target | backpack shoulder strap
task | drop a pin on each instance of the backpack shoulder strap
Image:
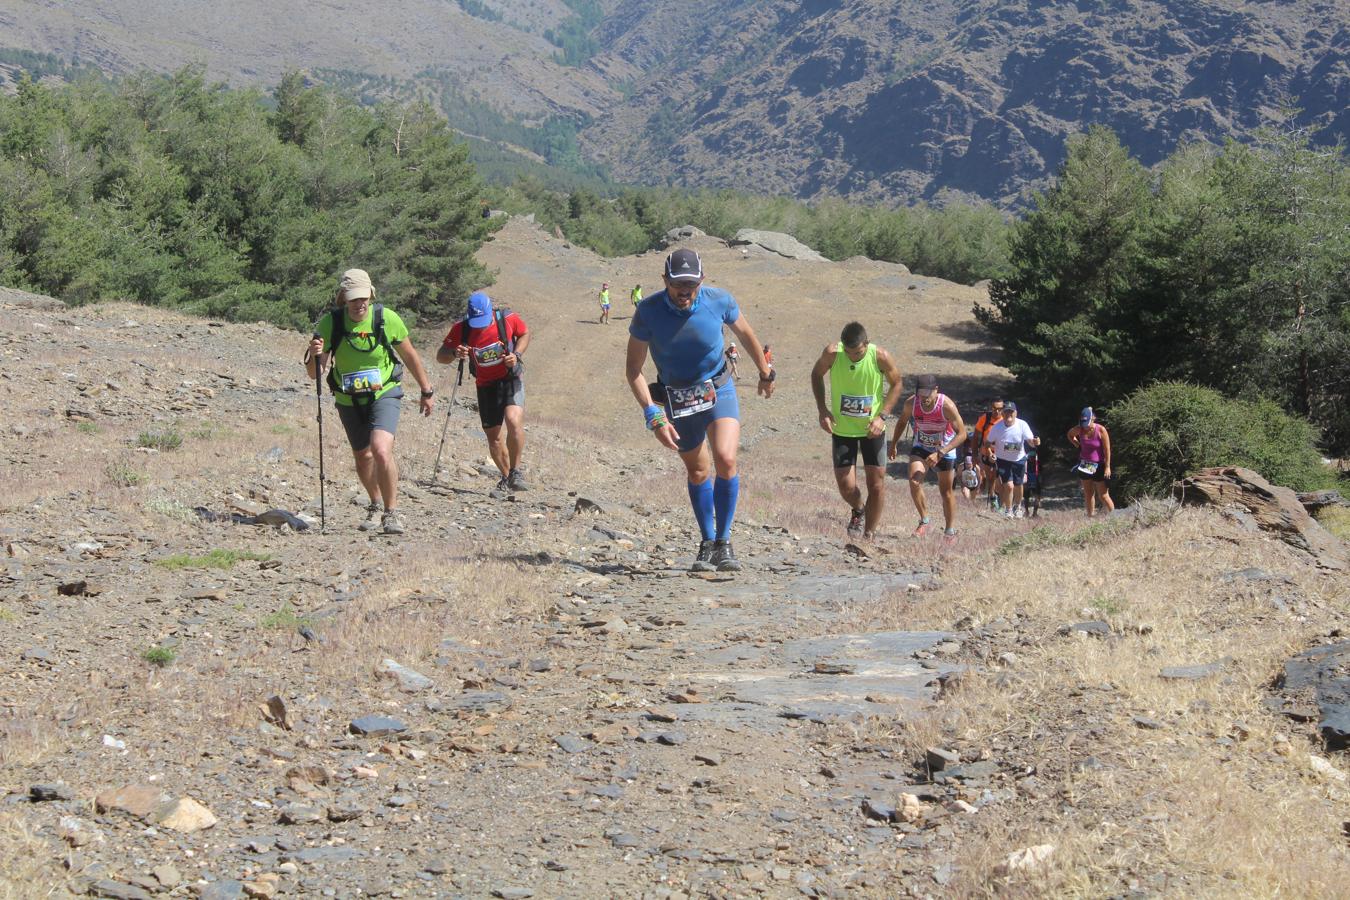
(500, 316)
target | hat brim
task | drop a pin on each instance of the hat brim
(482, 321)
(685, 277)
(355, 293)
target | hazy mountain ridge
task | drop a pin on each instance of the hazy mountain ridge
(863, 98)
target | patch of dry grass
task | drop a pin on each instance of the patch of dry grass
(1217, 801)
(1336, 519)
(24, 870)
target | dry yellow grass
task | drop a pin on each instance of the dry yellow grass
(24, 871)
(1221, 800)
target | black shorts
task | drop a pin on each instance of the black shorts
(1099, 475)
(845, 450)
(945, 464)
(495, 396)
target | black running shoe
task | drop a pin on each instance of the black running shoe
(724, 558)
(855, 522)
(516, 481)
(703, 560)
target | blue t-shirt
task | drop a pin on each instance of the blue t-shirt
(686, 345)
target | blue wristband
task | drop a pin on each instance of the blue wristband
(652, 413)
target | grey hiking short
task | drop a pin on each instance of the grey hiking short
(360, 421)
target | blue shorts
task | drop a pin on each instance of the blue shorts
(693, 430)
(1013, 472)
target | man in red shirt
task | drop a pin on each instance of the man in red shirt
(494, 342)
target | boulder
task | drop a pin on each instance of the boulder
(683, 233)
(782, 244)
(1273, 508)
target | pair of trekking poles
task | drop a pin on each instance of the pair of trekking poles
(318, 397)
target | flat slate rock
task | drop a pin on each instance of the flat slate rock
(1195, 672)
(476, 701)
(377, 725)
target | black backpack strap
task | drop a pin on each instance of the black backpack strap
(338, 319)
(377, 324)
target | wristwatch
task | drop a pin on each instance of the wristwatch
(772, 376)
(427, 395)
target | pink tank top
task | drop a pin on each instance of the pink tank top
(1090, 444)
(931, 428)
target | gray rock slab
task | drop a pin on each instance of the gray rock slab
(374, 725)
(1195, 672)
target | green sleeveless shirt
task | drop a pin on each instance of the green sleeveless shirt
(855, 392)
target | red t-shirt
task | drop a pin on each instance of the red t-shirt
(485, 346)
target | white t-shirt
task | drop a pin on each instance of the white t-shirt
(1010, 442)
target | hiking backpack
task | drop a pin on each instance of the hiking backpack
(339, 319)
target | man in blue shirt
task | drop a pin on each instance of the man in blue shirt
(693, 401)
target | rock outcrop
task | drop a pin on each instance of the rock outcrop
(1270, 507)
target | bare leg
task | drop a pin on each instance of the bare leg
(1090, 498)
(946, 485)
(876, 498)
(515, 436)
(917, 473)
(496, 442)
(1104, 496)
(365, 470)
(386, 467)
(847, 482)
(724, 437)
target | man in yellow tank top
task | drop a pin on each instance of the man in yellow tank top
(855, 419)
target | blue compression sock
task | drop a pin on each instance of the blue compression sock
(701, 498)
(725, 491)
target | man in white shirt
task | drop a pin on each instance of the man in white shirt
(1010, 439)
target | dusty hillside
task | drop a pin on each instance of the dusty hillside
(584, 718)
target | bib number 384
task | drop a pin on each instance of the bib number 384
(687, 401)
(366, 381)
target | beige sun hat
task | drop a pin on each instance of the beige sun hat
(355, 284)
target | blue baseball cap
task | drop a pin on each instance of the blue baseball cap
(480, 310)
(1086, 415)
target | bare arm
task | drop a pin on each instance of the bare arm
(906, 410)
(818, 372)
(408, 353)
(741, 328)
(953, 416)
(637, 383)
(891, 370)
(1106, 449)
(1073, 435)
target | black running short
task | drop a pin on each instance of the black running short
(945, 464)
(495, 396)
(845, 450)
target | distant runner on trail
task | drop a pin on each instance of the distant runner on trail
(494, 343)
(733, 357)
(1010, 439)
(938, 431)
(368, 347)
(855, 419)
(604, 303)
(694, 399)
(636, 294)
(1031, 504)
(982, 452)
(1094, 461)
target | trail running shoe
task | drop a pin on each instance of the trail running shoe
(1017, 512)
(501, 489)
(855, 522)
(724, 558)
(516, 481)
(703, 559)
(372, 520)
(922, 529)
(391, 524)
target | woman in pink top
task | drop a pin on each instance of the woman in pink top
(1094, 461)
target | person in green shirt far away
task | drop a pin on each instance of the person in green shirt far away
(855, 419)
(365, 348)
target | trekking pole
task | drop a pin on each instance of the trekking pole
(450, 407)
(318, 396)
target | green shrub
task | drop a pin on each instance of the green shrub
(159, 655)
(1168, 430)
(160, 440)
(121, 474)
(284, 618)
(87, 428)
(214, 559)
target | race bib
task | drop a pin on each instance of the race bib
(686, 401)
(1087, 468)
(856, 407)
(929, 440)
(490, 355)
(366, 381)
(1012, 446)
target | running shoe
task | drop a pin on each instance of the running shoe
(372, 520)
(516, 481)
(1017, 512)
(922, 529)
(855, 522)
(949, 536)
(502, 487)
(724, 558)
(703, 559)
(390, 523)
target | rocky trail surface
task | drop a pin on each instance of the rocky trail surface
(530, 695)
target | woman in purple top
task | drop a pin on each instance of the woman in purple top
(1094, 461)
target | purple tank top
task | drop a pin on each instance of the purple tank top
(1090, 444)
